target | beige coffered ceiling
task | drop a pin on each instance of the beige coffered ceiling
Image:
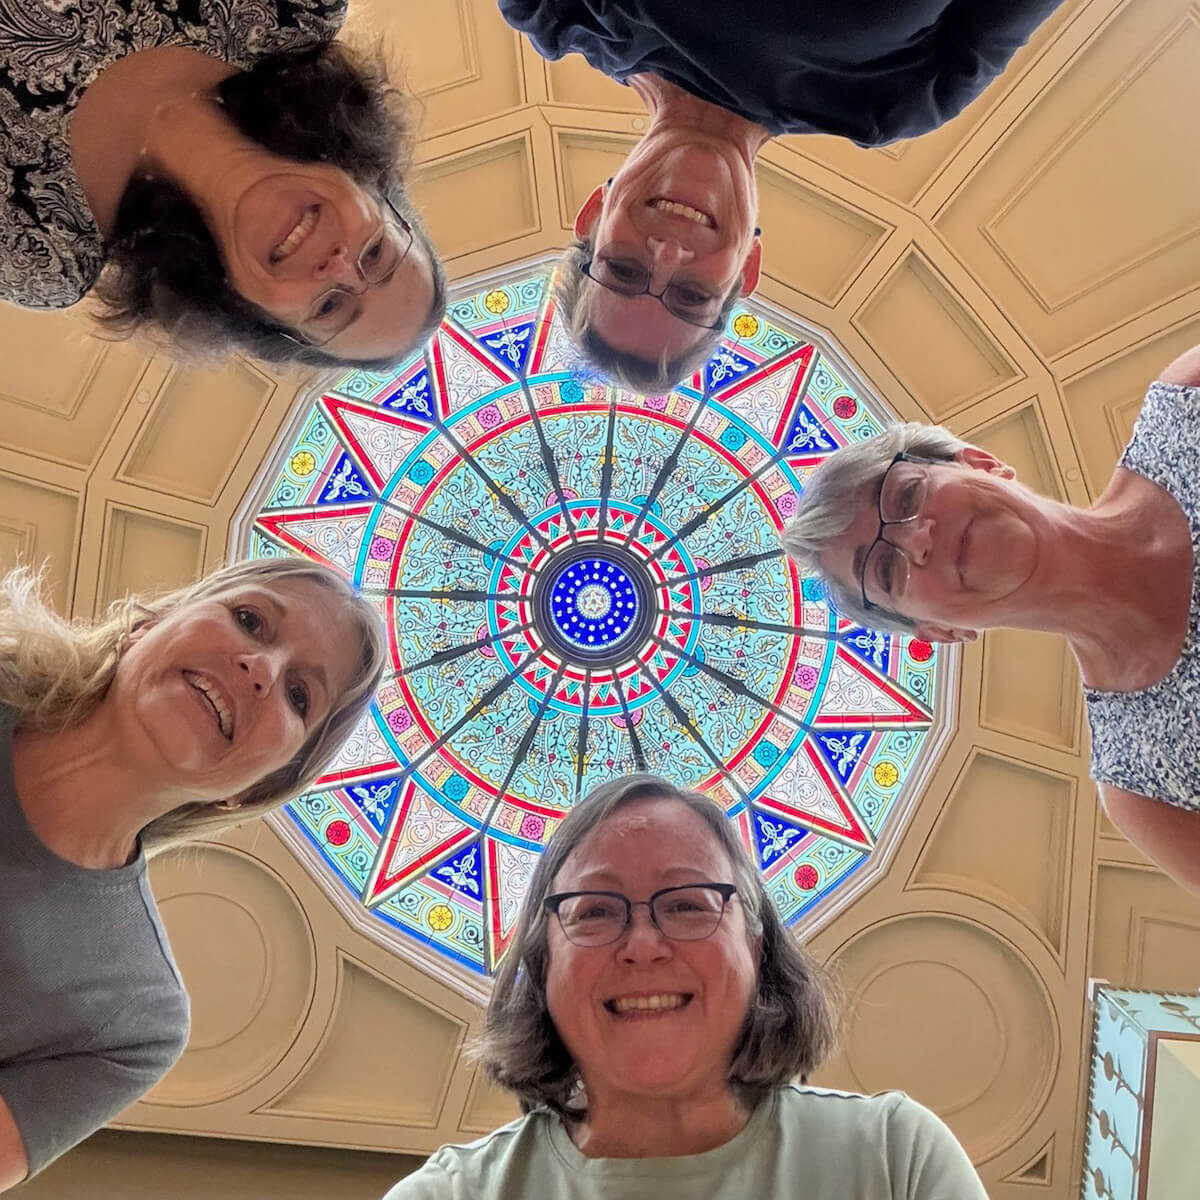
(1018, 275)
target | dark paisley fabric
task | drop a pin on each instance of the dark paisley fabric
(1149, 741)
(50, 51)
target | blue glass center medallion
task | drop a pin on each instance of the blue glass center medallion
(594, 603)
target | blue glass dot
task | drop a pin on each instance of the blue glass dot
(811, 589)
(571, 392)
(766, 753)
(733, 438)
(421, 472)
(456, 788)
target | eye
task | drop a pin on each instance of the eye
(372, 253)
(885, 570)
(691, 297)
(249, 620)
(298, 697)
(329, 306)
(624, 272)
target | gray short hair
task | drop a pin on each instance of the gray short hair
(831, 499)
(646, 377)
(791, 1024)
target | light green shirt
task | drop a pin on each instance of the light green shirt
(801, 1143)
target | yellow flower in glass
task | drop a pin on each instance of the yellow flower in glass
(496, 302)
(440, 918)
(303, 463)
(886, 774)
(745, 325)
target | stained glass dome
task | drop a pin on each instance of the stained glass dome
(577, 583)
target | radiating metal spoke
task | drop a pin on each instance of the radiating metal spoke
(688, 724)
(502, 497)
(582, 739)
(549, 462)
(453, 652)
(741, 563)
(732, 682)
(635, 742)
(606, 471)
(518, 756)
(730, 622)
(457, 595)
(492, 694)
(455, 535)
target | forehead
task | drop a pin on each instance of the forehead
(310, 618)
(655, 838)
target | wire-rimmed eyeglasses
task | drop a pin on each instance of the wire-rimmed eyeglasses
(686, 913)
(378, 260)
(628, 277)
(885, 566)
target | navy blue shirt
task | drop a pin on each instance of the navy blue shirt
(870, 70)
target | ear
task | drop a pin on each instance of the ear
(751, 267)
(945, 635)
(979, 459)
(589, 214)
(138, 632)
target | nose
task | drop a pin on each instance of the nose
(668, 253)
(915, 538)
(643, 941)
(335, 265)
(261, 668)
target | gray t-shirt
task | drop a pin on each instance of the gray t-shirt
(92, 1009)
(801, 1142)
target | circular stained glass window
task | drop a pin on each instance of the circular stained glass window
(579, 582)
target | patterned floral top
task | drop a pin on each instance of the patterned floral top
(1149, 741)
(51, 250)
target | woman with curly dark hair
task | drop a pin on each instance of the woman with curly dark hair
(224, 174)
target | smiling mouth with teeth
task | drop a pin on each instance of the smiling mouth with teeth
(641, 1006)
(298, 234)
(676, 209)
(216, 701)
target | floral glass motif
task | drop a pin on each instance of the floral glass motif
(579, 582)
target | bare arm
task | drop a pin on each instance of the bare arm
(1185, 370)
(14, 1166)
(1168, 836)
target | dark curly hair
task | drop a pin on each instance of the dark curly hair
(164, 269)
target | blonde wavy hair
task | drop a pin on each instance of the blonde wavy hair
(55, 672)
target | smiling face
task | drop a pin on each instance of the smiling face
(298, 229)
(971, 550)
(645, 1015)
(683, 208)
(221, 692)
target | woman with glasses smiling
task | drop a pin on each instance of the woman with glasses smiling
(231, 179)
(918, 532)
(651, 1015)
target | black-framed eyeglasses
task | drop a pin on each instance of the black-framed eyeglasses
(686, 913)
(378, 260)
(885, 566)
(628, 277)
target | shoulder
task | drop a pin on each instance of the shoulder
(482, 1165)
(1185, 370)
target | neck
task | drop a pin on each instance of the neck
(671, 108)
(82, 795)
(1119, 588)
(653, 1127)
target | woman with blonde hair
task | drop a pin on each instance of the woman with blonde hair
(170, 719)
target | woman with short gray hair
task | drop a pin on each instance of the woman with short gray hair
(916, 531)
(651, 1014)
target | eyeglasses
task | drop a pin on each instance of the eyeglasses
(377, 262)
(886, 566)
(628, 277)
(684, 914)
